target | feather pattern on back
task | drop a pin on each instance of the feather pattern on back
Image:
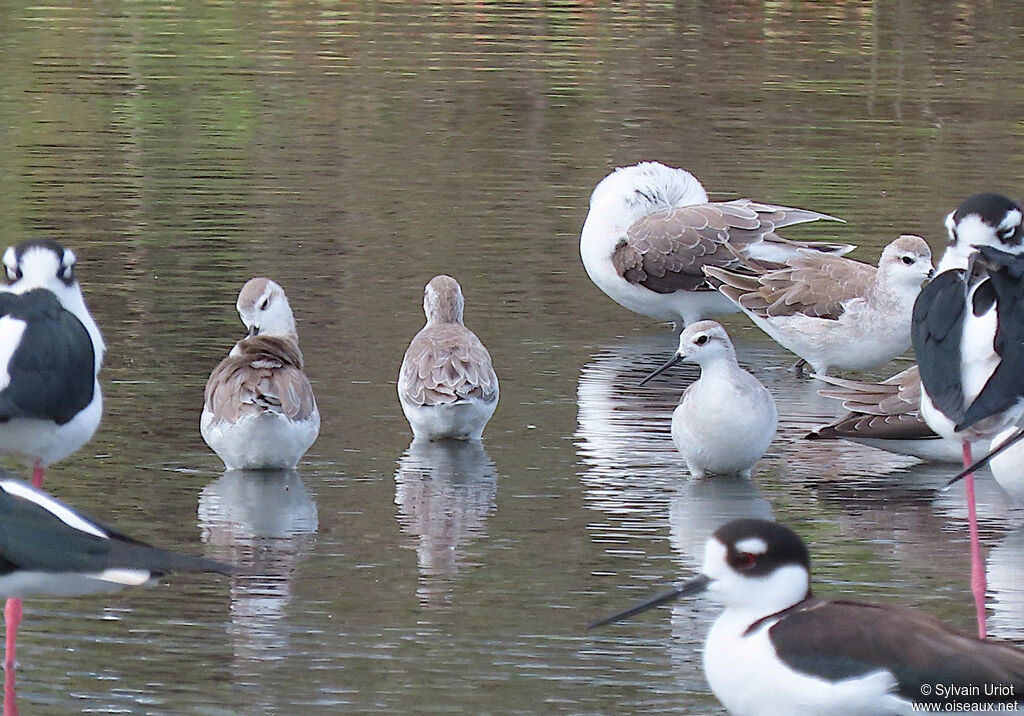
(263, 374)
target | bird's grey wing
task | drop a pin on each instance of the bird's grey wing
(447, 364)
(889, 410)
(666, 250)
(811, 283)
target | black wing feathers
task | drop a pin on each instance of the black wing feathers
(937, 330)
(31, 538)
(52, 372)
(838, 640)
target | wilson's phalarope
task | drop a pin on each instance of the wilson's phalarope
(447, 385)
(726, 402)
(651, 229)
(259, 412)
(832, 311)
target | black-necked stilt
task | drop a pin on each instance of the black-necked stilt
(50, 354)
(834, 312)
(887, 416)
(651, 229)
(968, 334)
(776, 649)
(259, 412)
(47, 547)
(446, 385)
(724, 403)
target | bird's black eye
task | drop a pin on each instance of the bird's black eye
(908, 260)
(266, 302)
(1007, 232)
(701, 339)
(742, 560)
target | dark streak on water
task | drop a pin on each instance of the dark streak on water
(352, 151)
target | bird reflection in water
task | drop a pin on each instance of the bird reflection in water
(263, 522)
(445, 490)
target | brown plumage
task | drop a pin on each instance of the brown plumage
(447, 363)
(666, 250)
(812, 283)
(886, 411)
(821, 636)
(262, 374)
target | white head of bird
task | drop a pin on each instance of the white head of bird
(631, 192)
(264, 309)
(982, 220)
(703, 342)
(906, 262)
(756, 565)
(45, 264)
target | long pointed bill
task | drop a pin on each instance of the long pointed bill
(674, 360)
(1006, 444)
(694, 586)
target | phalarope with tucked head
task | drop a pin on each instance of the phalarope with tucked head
(651, 229)
(259, 412)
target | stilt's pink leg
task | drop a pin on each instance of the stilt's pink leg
(12, 617)
(10, 697)
(37, 474)
(978, 583)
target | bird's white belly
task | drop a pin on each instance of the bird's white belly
(724, 433)
(268, 441)
(35, 439)
(64, 584)
(859, 339)
(464, 420)
(1008, 466)
(685, 306)
(747, 677)
(977, 350)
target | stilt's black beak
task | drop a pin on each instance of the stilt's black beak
(694, 586)
(674, 360)
(982, 462)
(254, 331)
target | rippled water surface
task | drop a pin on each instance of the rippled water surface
(353, 150)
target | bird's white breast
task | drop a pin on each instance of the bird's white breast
(749, 679)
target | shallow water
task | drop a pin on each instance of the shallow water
(352, 151)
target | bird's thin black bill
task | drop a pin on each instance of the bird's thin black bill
(694, 586)
(665, 366)
(982, 462)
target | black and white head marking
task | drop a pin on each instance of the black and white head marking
(982, 215)
(756, 548)
(15, 258)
